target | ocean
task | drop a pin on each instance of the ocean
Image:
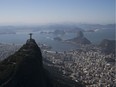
(21, 36)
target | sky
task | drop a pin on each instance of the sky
(57, 11)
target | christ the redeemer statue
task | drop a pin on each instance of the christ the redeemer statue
(30, 40)
(30, 36)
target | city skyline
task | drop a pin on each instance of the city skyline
(57, 11)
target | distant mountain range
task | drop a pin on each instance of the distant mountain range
(51, 27)
(96, 26)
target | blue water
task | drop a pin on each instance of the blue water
(98, 36)
(21, 37)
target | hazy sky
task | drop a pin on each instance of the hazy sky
(56, 11)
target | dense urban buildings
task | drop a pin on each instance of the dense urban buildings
(87, 64)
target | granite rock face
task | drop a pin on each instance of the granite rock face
(80, 39)
(108, 46)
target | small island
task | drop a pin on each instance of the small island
(57, 39)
